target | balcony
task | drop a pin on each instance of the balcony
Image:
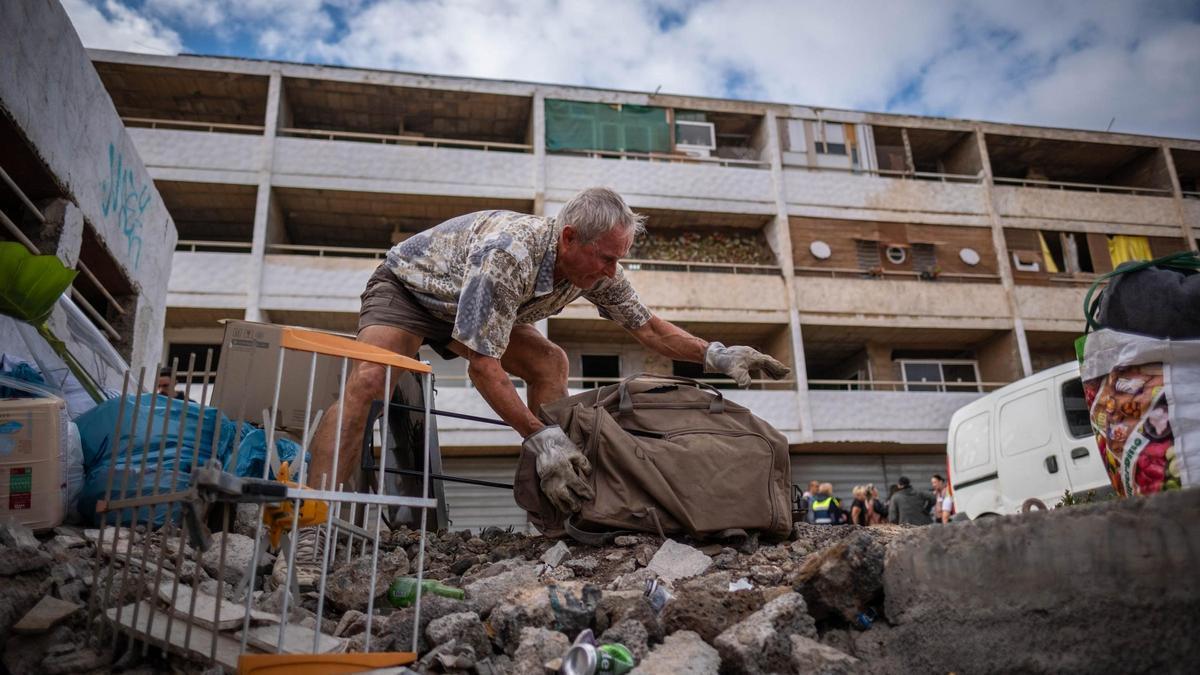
(884, 416)
(203, 152)
(209, 275)
(1056, 308)
(902, 302)
(886, 195)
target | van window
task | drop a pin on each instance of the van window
(972, 445)
(1079, 422)
(1024, 423)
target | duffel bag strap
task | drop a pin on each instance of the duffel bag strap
(591, 538)
(717, 405)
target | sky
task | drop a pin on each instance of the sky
(1133, 67)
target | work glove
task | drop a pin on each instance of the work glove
(561, 467)
(737, 362)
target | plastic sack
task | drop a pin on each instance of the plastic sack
(75, 473)
(184, 442)
(252, 452)
(1144, 398)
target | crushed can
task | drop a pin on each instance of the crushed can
(657, 595)
(588, 659)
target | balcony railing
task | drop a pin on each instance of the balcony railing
(667, 157)
(397, 139)
(595, 382)
(897, 173)
(845, 272)
(683, 266)
(910, 387)
(328, 251)
(185, 125)
(199, 246)
(1082, 187)
(1189, 194)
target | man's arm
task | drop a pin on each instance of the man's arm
(664, 337)
(497, 389)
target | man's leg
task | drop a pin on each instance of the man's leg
(364, 384)
(541, 363)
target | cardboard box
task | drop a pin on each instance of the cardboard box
(33, 461)
(245, 383)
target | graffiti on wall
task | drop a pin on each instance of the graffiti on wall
(124, 200)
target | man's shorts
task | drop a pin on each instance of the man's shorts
(387, 302)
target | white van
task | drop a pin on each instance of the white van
(1031, 438)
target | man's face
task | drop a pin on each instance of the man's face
(935, 483)
(164, 386)
(584, 265)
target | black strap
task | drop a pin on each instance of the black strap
(592, 538)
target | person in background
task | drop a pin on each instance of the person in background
(859, 508)
(876, 509)
(165, 386)
(826, 508)
(940, 492)
(809, 495)
(907, 506)
(945, 503)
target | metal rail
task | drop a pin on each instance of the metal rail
(154, 123)
(1089, 187)
(896, 173)
(859, 272)
(399, 139)
(902, 386)
(667, 157)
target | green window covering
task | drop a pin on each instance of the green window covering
(574, 125)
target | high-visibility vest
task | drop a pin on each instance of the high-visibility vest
(820, 509)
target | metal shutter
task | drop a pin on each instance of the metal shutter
(845, 471)
(475, 507)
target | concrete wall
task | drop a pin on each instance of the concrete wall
(902, 303)
(835, 194)
(1105, 588)
(664, 185)
(1051, 308)
(349, 165)
(1038, 203)
(199, 155)
(884, 416)
(50, 91)
(208, 280)
(309, 283)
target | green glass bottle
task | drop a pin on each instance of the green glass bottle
(403, 591)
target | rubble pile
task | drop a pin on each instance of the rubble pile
(738, 605)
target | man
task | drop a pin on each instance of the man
(943, 503)
(474, 286)
(809, 495)
(907, 506)
(165, 386)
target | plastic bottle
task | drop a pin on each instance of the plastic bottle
(403, 591)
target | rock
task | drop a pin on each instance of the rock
(20, 559)
(476, 545)
(711, 549)
(630, 633)
(634, 581)
(354, 622)
(615, 556)
(726, 558)
(239, 551)
(759, 643)
(871, 645)
(537, 646)
(709, 612)
(463, 627)
(70, 658)
(810, 656)
(678, 561)
(846, 578)
(555, 555)
(17, 535)
(245, 520)
(682, 652)
(461, 565)
(497, 582)
(774, 554)
(45, 615)
(563, 573)
(627, 540)
(398, 631)
(348, 585)
(450, 657)
(272, 603)
(766, 575)
(644, 553)
(585, 565)
(69, 541)
(529, 608)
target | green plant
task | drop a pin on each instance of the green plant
(1072, 499)
(30, 285)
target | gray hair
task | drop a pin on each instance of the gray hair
(596, 211)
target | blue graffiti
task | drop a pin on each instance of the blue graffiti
(122, 197)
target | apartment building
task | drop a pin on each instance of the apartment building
(903, 266)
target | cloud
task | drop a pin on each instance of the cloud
(116, 26)
(1044, 62)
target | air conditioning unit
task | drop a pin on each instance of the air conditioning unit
(696, 139)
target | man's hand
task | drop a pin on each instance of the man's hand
(737, 362)
(561, 467)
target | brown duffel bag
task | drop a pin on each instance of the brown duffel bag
(669, 455)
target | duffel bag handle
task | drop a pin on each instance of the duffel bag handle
(716, 406)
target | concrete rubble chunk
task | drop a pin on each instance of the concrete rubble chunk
(631, 633)
(759, 643)
(529, 608)
(69, 541)
(627, 540)
(398, 628)
(537, 646)
(463, 627)
(682, 652)
(709, 611)
(555, 555)
(17, 560)
(71, 658)
(585, 565)
(296, 640)
(45, 615)
(203, 608)
(810, 656)
(17, 535)
(239, 551)
(497, 582)
(678, 561)
(348, 585)
(846, 578)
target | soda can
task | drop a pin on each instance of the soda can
(657, 595)
(587, 659)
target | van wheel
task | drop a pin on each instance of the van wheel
(1032, 503)
(983, 516)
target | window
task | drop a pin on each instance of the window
(1023, 423)
(1079, 423)
(606, 366)
(952, 376)
(972, 445)
(183, 351)
(832, 139)
(867, 254)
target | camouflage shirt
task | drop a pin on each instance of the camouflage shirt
(486, 271)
